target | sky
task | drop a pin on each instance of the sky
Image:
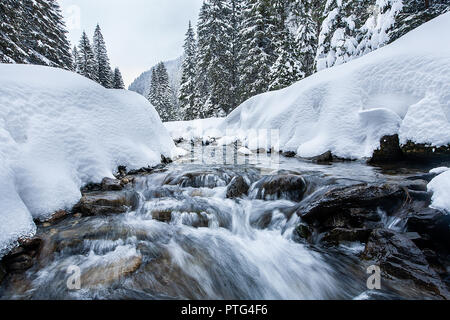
(138, 33)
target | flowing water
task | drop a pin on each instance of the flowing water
(186, 240)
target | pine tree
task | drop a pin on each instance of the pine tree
(161, 94)
(186, 93)
(75, 59)
(214, 86)
(45, 34)
(105, 74)
(33, 31)
(118, 80)
(87, 64)
(257, 54)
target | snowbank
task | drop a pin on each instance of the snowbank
(195, 129)
(402, 88)
(59, 131)
(440, 186)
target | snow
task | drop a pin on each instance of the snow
(195, 129)
(401, 88)
(440, 186)
(439, 170)
(59, 131)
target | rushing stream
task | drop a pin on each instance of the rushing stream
(186, 240)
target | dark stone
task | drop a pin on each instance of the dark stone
(351, 201)
(337, 235)
(109, 184)
(389, 150)
(165, 160)
(22, 257)
(424, 152)
(57, 216)
(107, 202)
(163, 216)
(416, 185)
(178, 141)
(431, 224)
(237, 187)
(398, 257)
(304, 231)
(288, 154)
(284, 186)
(198, 179)
(323, 158)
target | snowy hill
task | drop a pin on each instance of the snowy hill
(142, 83)
(401, 88)
(59, 131)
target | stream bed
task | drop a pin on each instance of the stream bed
(185, 237)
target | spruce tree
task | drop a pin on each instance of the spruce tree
(87, 64)
(186, 94)
(12, 49)
(104, 72)
(161, 94)
(118, 80)
(75, 59)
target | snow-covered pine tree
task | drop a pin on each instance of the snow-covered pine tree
(186, 94)
(75, 59)
(257, 54)
(161, 94)
(214, 86)
(87, 64)
(118, 80)
(105, 75)
(33, 31)
(306, 20)
(11, 44)
(287, 68)
(45, 34)
(338, 36)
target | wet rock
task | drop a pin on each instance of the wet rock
(285, 186)
(163, 216)
(351, 202)
(102, 203)
(416, 185)
(432, 225)
(198, 179)
(337, 235)
(237, 187)
(107, 274)
(323, 158)
(303, 231)
(22, 257)
(58, 215)
(178, 141)
(389, 150)
(398, 257)
(288, 154)
(165, 160)
(109, 184)
(424, 152)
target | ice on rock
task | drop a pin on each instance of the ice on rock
(59, 131)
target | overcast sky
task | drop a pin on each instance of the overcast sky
(138, 33)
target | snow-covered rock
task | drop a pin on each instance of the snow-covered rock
(401, 88)
(59, 131)
(440, 186)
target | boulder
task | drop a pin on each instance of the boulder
(237, 187)
(424, 152)
(303, 231)
(284, 186)
(109, 184)
(288, 154)
(389, 150)
(352, 203)
(399, 258)
(338, 235)
(106, 202)
(22, 257)
(323, 158)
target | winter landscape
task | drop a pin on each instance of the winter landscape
(294, 150)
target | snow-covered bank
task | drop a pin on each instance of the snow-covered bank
(440, 186)
(195, 129)
(402, 88)
(59, 131)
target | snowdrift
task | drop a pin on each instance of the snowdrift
(440, 186)
(195, 129)
(59, 131)
(402, 88)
